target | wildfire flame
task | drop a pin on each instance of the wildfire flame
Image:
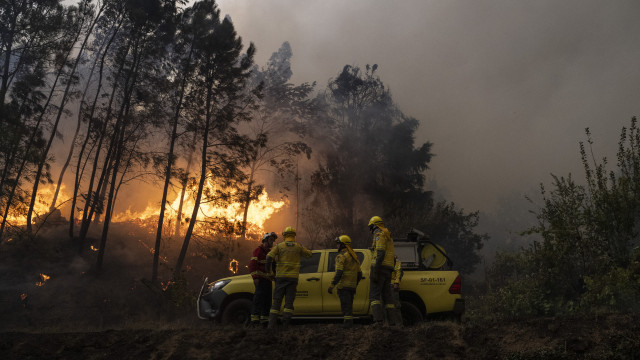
(153, 251)
(41, 208)
(259, 210)
(233, 266)
(44, 279)
(94, 248)
(23, 297)
(166, 286)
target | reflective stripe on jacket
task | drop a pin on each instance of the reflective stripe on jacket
(287, 256)
(257, 263)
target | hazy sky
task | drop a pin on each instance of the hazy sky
(503, 89)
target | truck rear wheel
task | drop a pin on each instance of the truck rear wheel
(237, 311)
(411, 315)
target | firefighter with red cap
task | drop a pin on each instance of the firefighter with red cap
(287, 257)
(262, 281)
(347, 277)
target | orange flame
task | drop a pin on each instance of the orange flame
(259, 211)
(94, 248)
(166, 286)
(23, 296)
(233, 266)
(41, 206)
(153, 251)
(44, 279)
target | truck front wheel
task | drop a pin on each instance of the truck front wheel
(411, 315)
(237, 312)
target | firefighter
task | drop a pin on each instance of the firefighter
(262, 280)
(287, 257)
(348, 275)
(396, 277)
(381, 268)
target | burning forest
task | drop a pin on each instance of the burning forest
(148, 145)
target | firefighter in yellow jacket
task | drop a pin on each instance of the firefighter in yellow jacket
(396, 277)
(382, 264)
(287, 257)
(347, 277)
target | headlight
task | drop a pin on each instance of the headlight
(220, 284)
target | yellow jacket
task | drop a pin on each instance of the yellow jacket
(350, 269)
(396, 275)
(382, 241)
(287, 256)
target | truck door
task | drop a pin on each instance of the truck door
(331, 302)
(308, 295)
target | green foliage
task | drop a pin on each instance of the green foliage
(455, 231)
(369, 161)
(584, 261)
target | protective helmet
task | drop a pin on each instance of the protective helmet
(343, 239)
(268, 236)
(289, 231)
(375, 220)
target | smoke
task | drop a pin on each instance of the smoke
(503, 89)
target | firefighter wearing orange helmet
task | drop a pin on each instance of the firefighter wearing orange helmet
(382, 265)
(347, 277)
(287, 257)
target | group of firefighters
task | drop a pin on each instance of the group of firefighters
(385, 276)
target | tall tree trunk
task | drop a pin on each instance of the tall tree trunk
(107, 219)
(167, 178)
(84, 224)
(78, 125)
(28, 146)
(184, 189)
(119, 148)
(89, 126)
(65, 96)
(247, 202)
(4, 87)
(170, 160)
(203, 176)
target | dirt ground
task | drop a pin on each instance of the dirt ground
(74, 314)
(612, 337)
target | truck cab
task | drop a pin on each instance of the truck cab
(422, 292)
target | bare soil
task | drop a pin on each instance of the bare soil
(611, 337)
(118, 315)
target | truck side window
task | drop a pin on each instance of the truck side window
(310, 265)
(332, 260)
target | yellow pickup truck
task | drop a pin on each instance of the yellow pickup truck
(425, 288)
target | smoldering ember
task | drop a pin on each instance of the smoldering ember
(210, 179)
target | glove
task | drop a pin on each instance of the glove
(396, 286)
(330, 289)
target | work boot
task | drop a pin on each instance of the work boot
(378, 312)
(347, 323)
(286, 320)
(391, 317)
(396, 315)
(273, 321)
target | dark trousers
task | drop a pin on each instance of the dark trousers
(261, 300)
(346, 302)
(380, 288)
(285, 288)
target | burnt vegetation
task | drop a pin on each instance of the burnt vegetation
(165, 95)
